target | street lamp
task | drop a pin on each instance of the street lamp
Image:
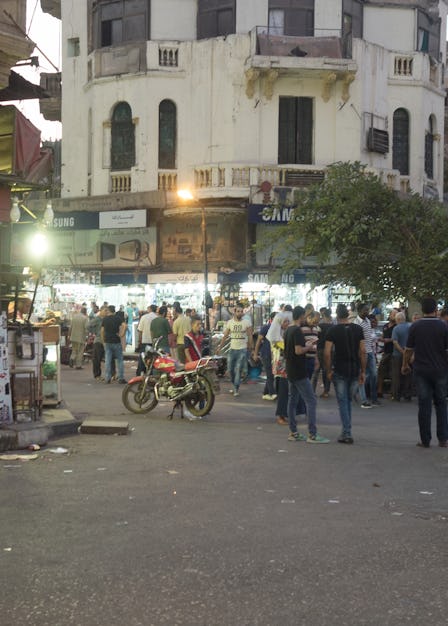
(187, 196)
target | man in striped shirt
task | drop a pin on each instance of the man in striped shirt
(371, 375)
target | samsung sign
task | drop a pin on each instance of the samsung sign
(262, 214)
(85, 220)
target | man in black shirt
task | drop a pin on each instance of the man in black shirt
(345, 343)
(110, 335)
(428, 342)
(384, 368)
(298, 382)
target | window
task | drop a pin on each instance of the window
(215, 18)
(295, 130)
(428, 34)
(73, 49)
(400, 145)
(429, 149)
(352, 24)
(115, 22)
(291, 17)
(122, 152)
(167, 135)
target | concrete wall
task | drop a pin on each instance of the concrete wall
(392, 28)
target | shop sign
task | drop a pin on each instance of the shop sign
(173, 277)
(78, 220)
(266, 278)
(67, 275)
(122, 219)
(114, 248)
(262, 214)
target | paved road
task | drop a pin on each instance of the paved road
(225, 522)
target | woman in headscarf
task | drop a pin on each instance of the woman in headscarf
(275, 336)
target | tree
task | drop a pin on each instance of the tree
(362, 234)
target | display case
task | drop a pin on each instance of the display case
(51, 367)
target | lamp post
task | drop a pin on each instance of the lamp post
(186, 195)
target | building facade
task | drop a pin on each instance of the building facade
(240, 101)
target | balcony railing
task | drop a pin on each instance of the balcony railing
(322, 43)
(120, 183)
(167, 180)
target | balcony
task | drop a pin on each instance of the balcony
(417, 67)
(322, 56)
(167, 180)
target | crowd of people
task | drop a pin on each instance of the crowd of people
(297, 348)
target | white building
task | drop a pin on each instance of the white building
(241, 100)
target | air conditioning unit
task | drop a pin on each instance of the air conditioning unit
(378, 140)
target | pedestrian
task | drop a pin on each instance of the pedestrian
(78, 335)
(371, 376)
(193, 341)
(262, 350)
(161, 330)
(181, 326)
(324, 325)
(144, 335)
(110, 334)
(345, 365)
(385, 365)
(98, 347)
(401, 384)
(428, 344)
(275, 336)
(299, 384)
(241, 341)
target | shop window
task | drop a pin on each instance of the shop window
(400, 145)
(122, 154)
(291, 17)
(167, 135)
(215, 18)
(429, 149)
(295, 130)
(115, 22)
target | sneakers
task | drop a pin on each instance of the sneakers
(366, 405)
(317, 439)
(296, 437)
(268, 396)
(122, 381)
(377, 403)
(236, 393)
(345, 439)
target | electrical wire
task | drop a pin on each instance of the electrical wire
(32, 17)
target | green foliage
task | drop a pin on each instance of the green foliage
(358, 232)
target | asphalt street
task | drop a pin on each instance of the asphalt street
(223, 521)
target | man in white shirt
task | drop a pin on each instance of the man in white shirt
(241, 340)
(144, 335)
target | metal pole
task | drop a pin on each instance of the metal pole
(204, 247)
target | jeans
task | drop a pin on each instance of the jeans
(304, 389)
(236, 364)
(114, 351)
(429, 389)
(345, 389)
(371, 377)
(269, 387)
(141, 367)
(401, 383)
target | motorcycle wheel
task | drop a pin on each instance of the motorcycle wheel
(201, 402)
(138, 397)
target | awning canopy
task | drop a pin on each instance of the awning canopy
(21, 89)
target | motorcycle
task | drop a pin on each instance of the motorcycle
(167, 380)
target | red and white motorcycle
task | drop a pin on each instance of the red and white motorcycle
(166, 380)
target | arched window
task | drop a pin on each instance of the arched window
(400, 145)
(122, 156)
(167, 135)
(429, 148)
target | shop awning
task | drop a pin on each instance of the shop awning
(21, 89)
